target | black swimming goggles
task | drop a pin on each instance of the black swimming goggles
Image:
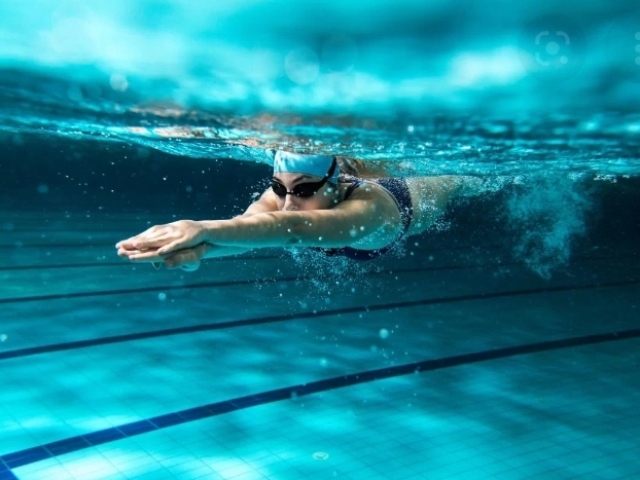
(303, 190)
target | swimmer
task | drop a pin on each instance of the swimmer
(316, 201)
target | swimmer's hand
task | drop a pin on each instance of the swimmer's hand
(187, 259)
(163, 239)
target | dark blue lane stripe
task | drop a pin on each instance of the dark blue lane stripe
(261, 257)
(229, 283)
(85, 245)
(60, 265)
(102, 293)
(126, 291)
(6, 473)
(123, 263)
(264, 257)
(80, 442)
(57, 347)
(90, 244)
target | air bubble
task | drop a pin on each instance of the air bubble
(320, 456)
(302, 66)
(118, 82)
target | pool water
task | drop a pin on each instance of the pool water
(500, 344)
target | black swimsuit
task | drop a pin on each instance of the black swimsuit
(399, 190)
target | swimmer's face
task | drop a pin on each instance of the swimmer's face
(323, 199)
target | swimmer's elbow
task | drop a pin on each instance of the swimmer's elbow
(291, 230)
(303, 230)
(300, 232)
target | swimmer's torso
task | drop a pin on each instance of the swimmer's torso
(428, 197)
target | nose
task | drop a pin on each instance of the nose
(290, 203)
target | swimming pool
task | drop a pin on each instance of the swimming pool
(502, 343)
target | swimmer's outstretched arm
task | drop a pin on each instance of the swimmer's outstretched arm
(191, 257)
(340, 226)
(263, 225)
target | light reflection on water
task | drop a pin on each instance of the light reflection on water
(442, 87)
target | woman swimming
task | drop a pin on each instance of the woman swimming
(309, 204)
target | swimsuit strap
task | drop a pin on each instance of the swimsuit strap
(399, 190)
(355, 183)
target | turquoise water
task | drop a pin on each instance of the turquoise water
(500, 344)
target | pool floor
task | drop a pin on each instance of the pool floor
(447, 363)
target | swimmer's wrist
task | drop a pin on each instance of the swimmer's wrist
(212, 230)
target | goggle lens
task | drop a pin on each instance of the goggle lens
(303, 190)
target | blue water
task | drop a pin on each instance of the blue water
(502, 343)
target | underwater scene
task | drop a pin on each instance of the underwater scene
(260, 239)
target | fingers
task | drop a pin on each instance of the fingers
(139, 256)
(151, 243)
(131, 242)
(165, 238)
(154, 256)
(126, 244)
(142, 244)
(175, 245)
(142, 240)
(125, 253)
